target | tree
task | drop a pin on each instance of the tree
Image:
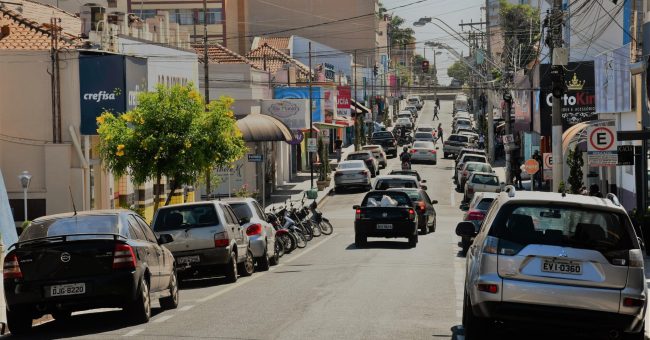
(575, 162)
(520, 25)
(170, 133)
(459, 71)
(400, 36)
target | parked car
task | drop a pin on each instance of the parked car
(454, 144)
(422, 151)
(352, 173)
(470, 167)
(371, 162)
(461, 103)
(208, 239)
(462, 123)
(472, 151)
(406, 114)
(410, 172)
(481, 182)
(413, 109)
(261, 234)
(475, 214)
(426, 128)
(378, 152)
(387, 141)
(404, 123)
(386, 182)
(424, 137)
(373, 220)
(464, 129)
(423, 207)
(468, 157)
(93, 259)
(542, 258)
(416, 101)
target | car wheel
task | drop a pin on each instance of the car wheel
(264, 262)
(231, 268)
(475, 327)
(247, 267)
(171, 301)
(140, 309)
(432, 228)
(360, 241)
(413, 240)
(278, 248)
(19, 320)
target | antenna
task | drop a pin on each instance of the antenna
(72, 199)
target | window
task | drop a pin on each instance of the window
(135, 230)
(213, 16)
(351, 165)
(97, 224)
(185, 217)
(259, 210)
(241, 210)
(148, 233)
(484, 204)
(485, 179)
(230, 216)
(383, 134)
(401, 198)
(384, 184)
(183, 16)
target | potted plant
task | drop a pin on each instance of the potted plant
(323, 174)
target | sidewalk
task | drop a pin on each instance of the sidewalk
(295, 190)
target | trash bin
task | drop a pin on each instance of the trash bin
(312, 194)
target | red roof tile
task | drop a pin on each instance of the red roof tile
(272, 59)
(25, 34)
(219, 54)
(280, 43)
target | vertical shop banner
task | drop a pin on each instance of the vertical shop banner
(613, 81)
(136, 80)
(329, 104)
(343, 103)
(101, 84)
(578, 103)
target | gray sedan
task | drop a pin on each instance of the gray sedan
(351, 173)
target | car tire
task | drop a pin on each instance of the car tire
(264, 262)
(474, 327)
(247, 268)
(139, 310)
(19, 320)
(360, 241)
(432, 228)
(231, 268)
(413, 240)
(634, 336)
(171, 301)
(424, 229)
(278, 248)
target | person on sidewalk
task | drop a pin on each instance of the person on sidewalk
(440, 133)
(537, 177)
(594, 190)
(437, 102)
(338, 143)
(435, 113)
(516, 168)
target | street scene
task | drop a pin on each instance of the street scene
(423, 169)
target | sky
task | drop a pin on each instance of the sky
(453, 12)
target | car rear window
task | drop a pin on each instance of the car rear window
(358, 156)
(186, 217)
(385, 134)
(423, 145)
(383, 184)
(423, 135)
(485, 179)
(401, 197)
(484, 204)
(474, 158)
(241, 210)
(406, 173)
(351, 165)
(425, 129)
(458, 138)
(85, 224)
(567, 226)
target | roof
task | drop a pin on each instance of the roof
(27, 34)
(83, 213)
(404, 177)
(269, 58)
(551, 197)
(42, 13)
(280, 43)
(219, 54)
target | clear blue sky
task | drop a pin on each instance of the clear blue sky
(450, 11)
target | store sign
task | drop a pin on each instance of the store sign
(292, 112)
(136, 80)
(329, 104)
(303, 93)
(102, 88)
(601, 146)
(578, 104)
(343, 109)
(625, 154)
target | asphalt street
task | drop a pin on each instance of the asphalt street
(329, 290)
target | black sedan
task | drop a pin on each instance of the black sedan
(96, 259)
(423, 207)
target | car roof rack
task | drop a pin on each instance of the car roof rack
(614, 199)
(510, 189)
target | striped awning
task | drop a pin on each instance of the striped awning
(257, 127)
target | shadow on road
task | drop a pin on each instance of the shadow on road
(381, 245)
(349, 191)
(201, 282)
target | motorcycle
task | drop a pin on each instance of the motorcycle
(321, 223)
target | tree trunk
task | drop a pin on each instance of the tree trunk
(171, 192)
(156, 195)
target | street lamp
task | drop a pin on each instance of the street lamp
(25, 177)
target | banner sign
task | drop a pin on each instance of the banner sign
(292, 112)
(613, 81)
(343, 102)
(303, 93)
(101, 88)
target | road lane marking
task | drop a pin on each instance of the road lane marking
(134, 332)
(163, 318)
(311, 248)
(185, 308)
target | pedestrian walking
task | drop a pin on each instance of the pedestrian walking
(437, 102)
(538, 175)
(440, 133)
(517, 171)
(481, 141)
(435, 113)
(339, 145)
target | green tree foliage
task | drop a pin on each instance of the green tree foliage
(520, 26)
(575, 162)
(400, 36)
(459, 71)
(170, 133)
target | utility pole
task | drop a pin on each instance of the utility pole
(311, 123)
(356, 118)
(206, 81)
(558, 90)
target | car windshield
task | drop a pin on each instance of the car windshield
(401, 198)
(484, 204)
(426, 135)
(565, 226)
(485, 179)
(480, 167)
(358, 156)
(423, 145)
(387, 183)
(383, 134)
(85, 224)
(458, 138)
(351, 165)
(474, 158)
(185, 217)
(404, 115)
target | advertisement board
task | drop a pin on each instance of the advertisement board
(329, 104)
(578, 103)
(292, 112)
(613, 81)
(343, 102)
(101, 88)
(136, 80)
(303, 93)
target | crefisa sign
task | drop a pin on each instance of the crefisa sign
(578, 103)
(108, 82)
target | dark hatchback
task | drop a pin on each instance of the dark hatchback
(423, 207)
(96, 259)
(373, 220)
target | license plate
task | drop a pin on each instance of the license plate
(67, 289)
(384, 226)
(423, 152)
(188, 259)
(563, 267)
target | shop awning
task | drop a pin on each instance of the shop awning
(258, 127)
(358, 108)
(322, 125)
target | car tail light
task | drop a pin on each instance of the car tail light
(12, 268)
(221, 240)
(465, 173)
(433, 151)
(412, 151)
(635, 258)
(364, 172)
(357, 214)
(411, 214)
(633, 302)
(488, 288)
(475, 215)
(123, 257)
(254, 229)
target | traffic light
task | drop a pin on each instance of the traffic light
(375, 70)
(425, 66)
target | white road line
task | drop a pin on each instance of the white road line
(241, 283)
(163, 318)
(185, 308)
(134, 332)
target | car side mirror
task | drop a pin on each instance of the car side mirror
(165, 238)
(244, 220)
(434, 201)
(423, 181)
(355, 207)
(465, 229)
(424, 187)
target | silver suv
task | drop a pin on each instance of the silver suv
(208, 238)
(564, 261)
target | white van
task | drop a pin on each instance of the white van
(460, 103)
